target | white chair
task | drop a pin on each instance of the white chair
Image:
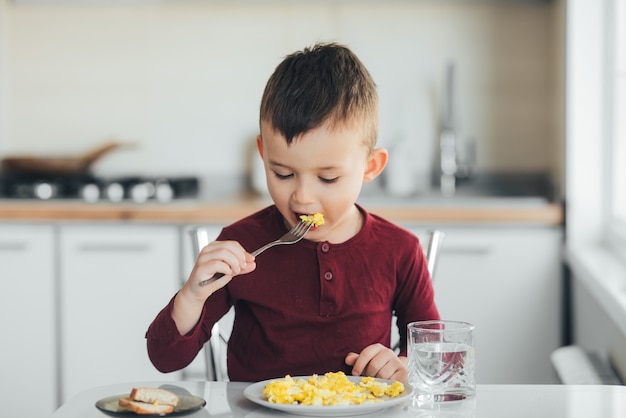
(215, 350)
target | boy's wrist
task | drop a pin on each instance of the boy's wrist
(190, 297)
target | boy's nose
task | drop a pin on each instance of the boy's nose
(303, 193)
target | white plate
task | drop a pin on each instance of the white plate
(254, 392)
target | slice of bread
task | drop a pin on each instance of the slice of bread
(144, 407)
(154, 395)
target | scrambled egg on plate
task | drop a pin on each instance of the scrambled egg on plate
(330, 389)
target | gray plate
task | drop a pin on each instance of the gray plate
(186, 405)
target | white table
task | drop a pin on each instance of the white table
(226, 400)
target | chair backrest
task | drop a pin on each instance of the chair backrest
(434, 239)
(215, 351)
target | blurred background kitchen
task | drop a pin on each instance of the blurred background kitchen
(475, 111)
(183, 80)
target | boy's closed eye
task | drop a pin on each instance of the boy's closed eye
(283, 176)
(322, 179)
(329, 180)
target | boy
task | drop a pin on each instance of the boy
(325, 303)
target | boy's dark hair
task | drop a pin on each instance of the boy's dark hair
(324, 83)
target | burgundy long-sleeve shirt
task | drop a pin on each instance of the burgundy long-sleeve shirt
(306, 306)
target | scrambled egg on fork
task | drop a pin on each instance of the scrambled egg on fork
(316, 219)
(330, 389)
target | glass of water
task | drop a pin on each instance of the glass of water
(441, 360)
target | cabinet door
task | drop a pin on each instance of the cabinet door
(27, 320)
(507, 282)
(114, 280)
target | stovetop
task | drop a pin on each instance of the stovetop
(91, 188)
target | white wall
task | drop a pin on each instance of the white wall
(184, 79)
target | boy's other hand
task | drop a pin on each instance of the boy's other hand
(379, 361)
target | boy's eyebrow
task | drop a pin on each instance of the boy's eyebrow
(278, 164)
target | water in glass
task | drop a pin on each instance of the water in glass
(441, 362)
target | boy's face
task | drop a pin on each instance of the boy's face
(321, 171)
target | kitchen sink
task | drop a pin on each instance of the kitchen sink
(486, 190)
(435, 200)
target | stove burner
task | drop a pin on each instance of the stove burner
(90, 188)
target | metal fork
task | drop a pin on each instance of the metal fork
(294, 235)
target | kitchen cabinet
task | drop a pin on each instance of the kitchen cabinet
(27, 324)
(114, 279)
(506, 280)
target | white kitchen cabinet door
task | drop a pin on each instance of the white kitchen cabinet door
(27, 320)
(506, 281)
(114, 281)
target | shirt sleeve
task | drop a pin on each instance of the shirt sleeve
(168, 350)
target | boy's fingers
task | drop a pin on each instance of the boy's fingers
(351, 358)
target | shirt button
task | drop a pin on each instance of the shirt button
(325, 247)
(328, 275)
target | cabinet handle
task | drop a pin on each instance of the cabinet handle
(101, 247)
(467, 250)
(13, 246)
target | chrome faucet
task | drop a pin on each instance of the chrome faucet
(447, 143)
(448, 137)
(453, 163)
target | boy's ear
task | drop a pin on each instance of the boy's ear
(259, 144)
(376, 162)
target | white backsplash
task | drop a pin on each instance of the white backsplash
(184, 79)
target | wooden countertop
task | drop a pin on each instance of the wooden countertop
(229, 210)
